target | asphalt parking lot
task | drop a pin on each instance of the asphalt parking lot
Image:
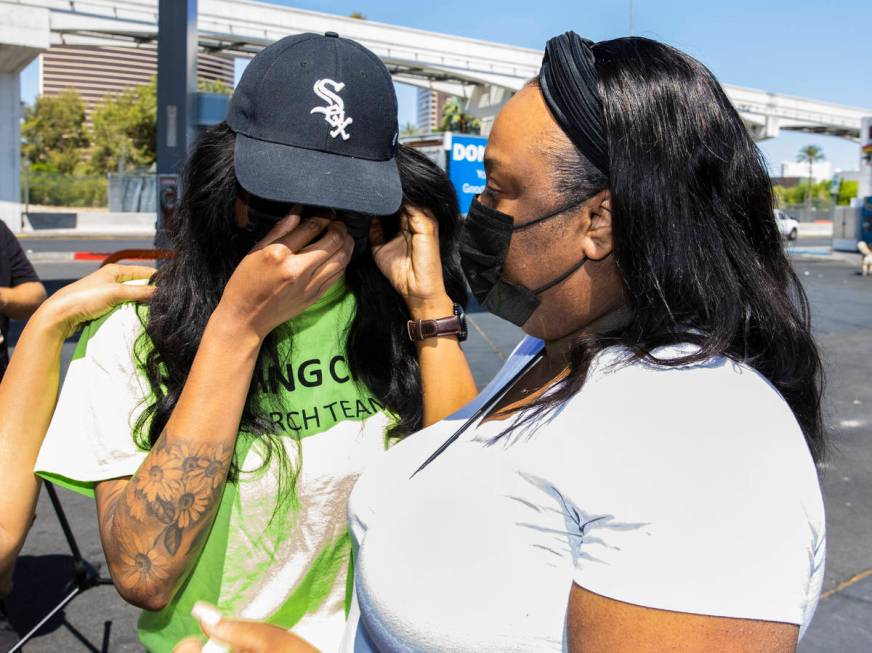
(842, 312)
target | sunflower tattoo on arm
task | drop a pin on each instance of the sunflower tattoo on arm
(171, 498)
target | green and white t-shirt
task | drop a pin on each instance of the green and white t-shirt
(288, 567)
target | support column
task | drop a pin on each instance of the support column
(485, 103)
(772, 128)
(10, 151)
(865, 186)
(24, 33)
(176, 100)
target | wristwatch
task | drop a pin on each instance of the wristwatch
(454, 325)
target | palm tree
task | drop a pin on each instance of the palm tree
(455, 120)
(810, 154)
(409, 129)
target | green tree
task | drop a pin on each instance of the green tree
(409, 129)
(847, 191)
(810, 154)
(124, 129)
(213, 86)
(357, 15)
(455, 120)
(54, 132)
(819, 194)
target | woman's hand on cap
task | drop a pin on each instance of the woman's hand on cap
(286, 272)
(412, 263)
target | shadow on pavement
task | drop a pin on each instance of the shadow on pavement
(39, 585)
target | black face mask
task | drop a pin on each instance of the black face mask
(484, 244)
(357, 225)
(263, 214)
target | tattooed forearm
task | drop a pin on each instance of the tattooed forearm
(170, 501)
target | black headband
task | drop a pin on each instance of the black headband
(568, 81)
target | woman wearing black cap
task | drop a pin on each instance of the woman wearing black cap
(291, 338)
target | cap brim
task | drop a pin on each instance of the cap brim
(291, 174)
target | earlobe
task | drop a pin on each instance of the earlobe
(598, 241)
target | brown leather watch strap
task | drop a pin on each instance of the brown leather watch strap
(444, 326)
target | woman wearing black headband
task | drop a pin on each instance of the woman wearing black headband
(640, 476)
(645, 480)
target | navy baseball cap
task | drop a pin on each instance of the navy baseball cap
(316, 123)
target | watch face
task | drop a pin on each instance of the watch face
(461, 315)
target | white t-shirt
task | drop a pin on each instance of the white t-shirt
(686, 489)
(287, 562)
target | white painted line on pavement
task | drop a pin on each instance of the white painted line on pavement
(499, 352)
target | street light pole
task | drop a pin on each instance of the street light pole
(176, 102)
(27, 188)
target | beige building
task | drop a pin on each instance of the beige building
(98, 71)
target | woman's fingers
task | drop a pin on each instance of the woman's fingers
(282, 228)
(419, 221)
(297, 239)
(325, 285)
(274, 284)
(334, 239)
(330, 270)
(128, 293)
(242, 635)
(238, 635)
(189, 645)
(122, 273)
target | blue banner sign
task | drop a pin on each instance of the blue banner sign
(866, 220)
(466, 167)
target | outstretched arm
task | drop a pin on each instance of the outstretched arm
(29, 390)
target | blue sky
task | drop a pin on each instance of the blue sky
(811, 49)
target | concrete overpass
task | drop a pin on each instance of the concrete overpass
(484, 73)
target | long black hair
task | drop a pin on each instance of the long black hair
(695, 239)
(209, 245)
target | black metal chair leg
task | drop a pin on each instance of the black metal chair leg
(85, 574)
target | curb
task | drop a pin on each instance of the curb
(823, 229)
(808, 254)
(65, 257)
(87, 234)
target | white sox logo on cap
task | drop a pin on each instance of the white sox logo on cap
(334, 112)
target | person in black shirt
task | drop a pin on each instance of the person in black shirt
(21, 292)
